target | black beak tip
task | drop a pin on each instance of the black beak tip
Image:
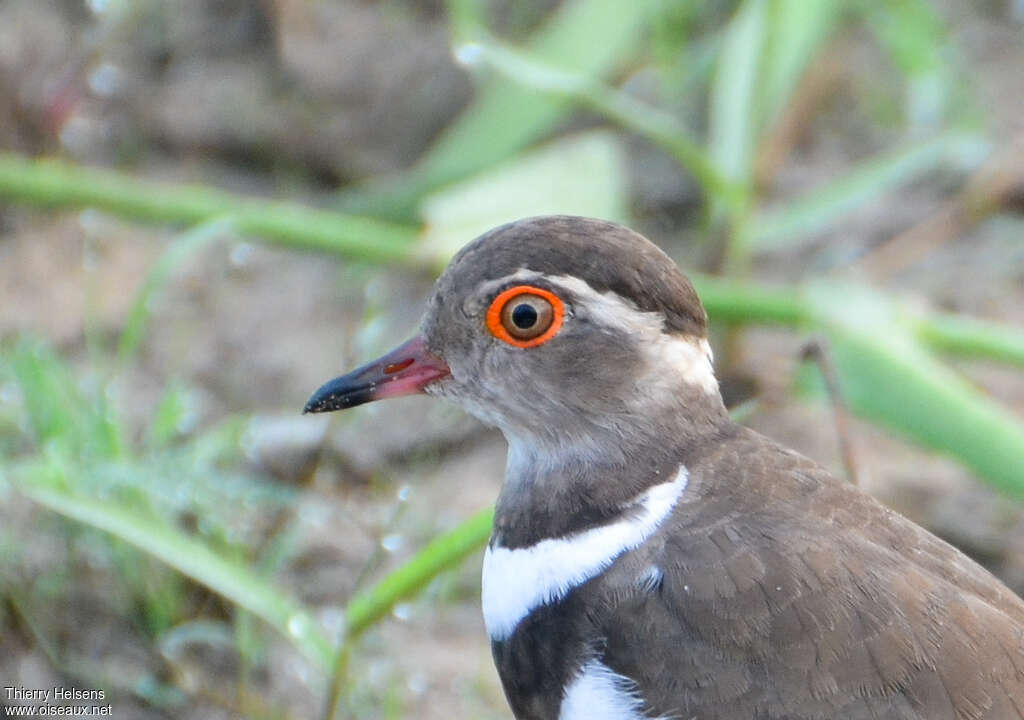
(316, 403)
(330, 398)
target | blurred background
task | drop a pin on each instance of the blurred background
(209, 207)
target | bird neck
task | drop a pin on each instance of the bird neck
(555, 487)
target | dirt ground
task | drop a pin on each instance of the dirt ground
(276, 98)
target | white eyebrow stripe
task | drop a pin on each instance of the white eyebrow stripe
(690, 356)
(516, 582)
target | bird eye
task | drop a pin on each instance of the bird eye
(525, 316)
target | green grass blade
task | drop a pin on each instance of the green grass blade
(822, 207)
(914, 35)
(798, 29)
(168, 418)
(466, 19)
(53, 406)
(970, 337)
(743, 303)
(505, 117)
(53, 183)
(733, 113)
(178, 252)
(910, 30)
(578, 174)
(59, 412)
(191, 557)
(889, 378)
(442, 553)
(660, 127)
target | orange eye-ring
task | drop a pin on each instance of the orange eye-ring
(525, 316)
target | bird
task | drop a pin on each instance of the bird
(650, 558)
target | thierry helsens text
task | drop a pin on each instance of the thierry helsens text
(52, 694)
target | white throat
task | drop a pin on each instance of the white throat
(516, 582)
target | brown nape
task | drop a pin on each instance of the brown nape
(606, 255)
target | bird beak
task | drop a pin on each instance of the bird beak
(406, 370)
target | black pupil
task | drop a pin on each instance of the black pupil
(524, 316)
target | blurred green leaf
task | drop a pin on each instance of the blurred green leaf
(58, 412)
(177, 252)
(159, 590)
(49, 394)
(910, 30)
(797, 30)
(822, 207)
(467, 18)
(889, 378)
(674, 29)
(190, 556)
(915, 37)
(251, 644)
(442, 553)
(171, 414)
(218, 443)
(653, 123)
(54, 183)
(228, 509)
(505, 117)
(577, 175)
(970, 337)
(744, 303)
(733, 113)
(175, 642)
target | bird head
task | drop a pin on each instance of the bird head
(562, 332)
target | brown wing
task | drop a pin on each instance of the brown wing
(785, 593)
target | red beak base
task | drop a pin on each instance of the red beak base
(406, 370)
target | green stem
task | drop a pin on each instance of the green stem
(656, 125)
(729, 301)
(888, 377)
(440, 554)
(194, 558)
(970, 337)
(58, 184)
(54, 183)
